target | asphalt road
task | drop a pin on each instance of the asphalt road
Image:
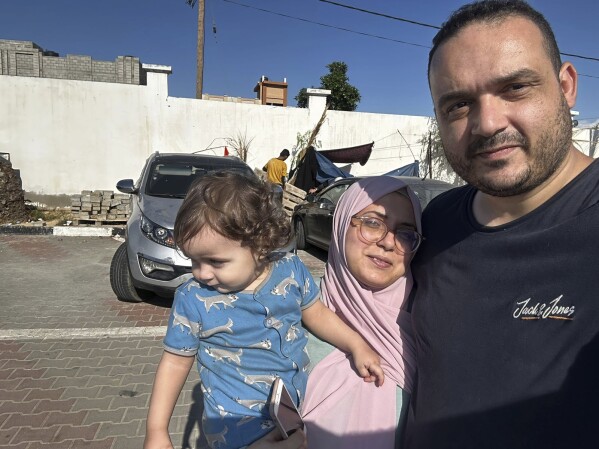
(77, 365)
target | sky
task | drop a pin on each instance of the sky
(287, 39)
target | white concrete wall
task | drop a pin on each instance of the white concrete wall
(67, 136)
(586, 139)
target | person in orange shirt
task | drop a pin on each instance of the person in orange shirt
(276, 168)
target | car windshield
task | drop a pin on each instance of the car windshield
(333, 194)
(172, 178)
(426, 193)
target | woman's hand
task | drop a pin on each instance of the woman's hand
(368, 364)
(274, 440)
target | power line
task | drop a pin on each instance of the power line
(327, 25)
(301, 19)
(401, 19)
(579, 56)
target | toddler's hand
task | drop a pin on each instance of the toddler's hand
(368, 364)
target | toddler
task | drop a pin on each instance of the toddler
(241, 314)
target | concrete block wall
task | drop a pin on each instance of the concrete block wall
(103, 71)
(9, 59)
(25, 58)
(55, 67)
(79, 67)
(127, 70)
(23, 62)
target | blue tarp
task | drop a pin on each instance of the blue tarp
(407, 170)
(327, 170)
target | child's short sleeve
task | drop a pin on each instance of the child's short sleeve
(309, 289)
(182, 334)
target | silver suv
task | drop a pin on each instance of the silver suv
(147, 263)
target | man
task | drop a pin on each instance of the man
(276, 168)
(506, 311)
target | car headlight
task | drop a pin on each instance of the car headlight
(156, 233)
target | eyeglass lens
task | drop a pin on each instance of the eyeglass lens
(374, 230)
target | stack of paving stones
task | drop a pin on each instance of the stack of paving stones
(100, 207)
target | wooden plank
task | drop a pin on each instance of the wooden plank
(295, 191)
(293, 198)
(288, 204)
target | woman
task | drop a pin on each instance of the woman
(376, 231)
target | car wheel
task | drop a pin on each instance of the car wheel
(120, 278)
(300, 234)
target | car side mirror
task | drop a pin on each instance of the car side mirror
(126, 186)
(310, 197)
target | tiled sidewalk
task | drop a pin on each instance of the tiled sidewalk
(77, 365)
(87, 393)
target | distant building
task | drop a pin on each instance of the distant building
(272, 93)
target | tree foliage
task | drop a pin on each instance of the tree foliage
(344, 96)
(434, 163)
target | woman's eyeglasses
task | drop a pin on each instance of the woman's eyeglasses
(374, 230)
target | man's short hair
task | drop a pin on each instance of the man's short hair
(495, 11)
(285, 153)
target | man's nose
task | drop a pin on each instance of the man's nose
(490, 116)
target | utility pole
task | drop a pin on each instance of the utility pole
(200, 62)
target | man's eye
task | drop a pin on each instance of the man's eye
(517, 89)
(457, 106)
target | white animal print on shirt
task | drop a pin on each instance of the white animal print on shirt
(262, 344)
(221, 354)
(215, 330)
(292, 333)
(214, 301)
(251, 403)
(183, 322)
(251, 379)
(282, 288)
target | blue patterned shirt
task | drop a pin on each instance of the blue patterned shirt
(242, 341)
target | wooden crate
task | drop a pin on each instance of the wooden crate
(292, 196)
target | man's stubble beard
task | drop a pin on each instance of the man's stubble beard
(544, 159)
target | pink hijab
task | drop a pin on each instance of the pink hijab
(340, 409)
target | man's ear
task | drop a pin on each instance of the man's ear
(568, 80)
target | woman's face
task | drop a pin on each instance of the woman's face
(378, 265)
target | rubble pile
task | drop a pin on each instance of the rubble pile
(12, 196)
(100, 206)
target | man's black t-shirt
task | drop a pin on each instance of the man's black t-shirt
(506, 321)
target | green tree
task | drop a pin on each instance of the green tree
(344, 96)
(434, 163)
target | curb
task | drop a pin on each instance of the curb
(65, 231)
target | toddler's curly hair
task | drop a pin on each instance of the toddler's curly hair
(237, 206)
